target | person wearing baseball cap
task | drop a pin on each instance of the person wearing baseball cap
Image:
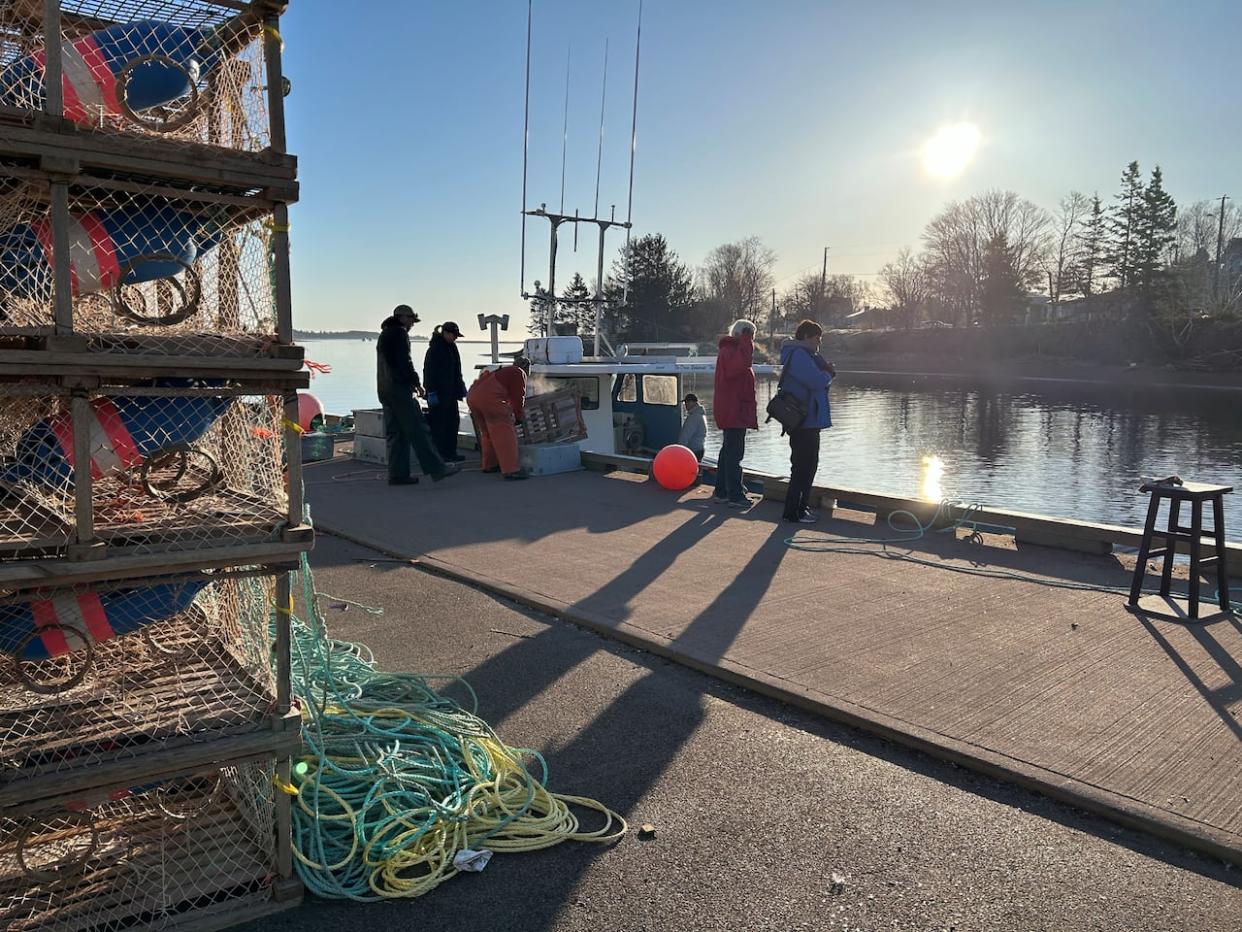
(397, 384)
(445, 388)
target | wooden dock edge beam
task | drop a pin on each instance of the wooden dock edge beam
(1114, 807)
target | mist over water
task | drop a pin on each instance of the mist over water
(1075, 451)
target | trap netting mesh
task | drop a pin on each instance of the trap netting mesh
(89, 675)
(186, 70)
(174, 466)
(150, 272)
(146, 856)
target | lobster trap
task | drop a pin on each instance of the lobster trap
(177, 466)
(150, 270)
(93, 675)
(184, 71)
(198, 849)
(552, 417)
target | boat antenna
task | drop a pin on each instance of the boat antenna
(526, 138)
(629, 210)
(569, 51)
(599, 155)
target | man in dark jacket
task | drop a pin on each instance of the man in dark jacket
(445, 387)
(397, 384)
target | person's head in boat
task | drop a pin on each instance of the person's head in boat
(691, 401)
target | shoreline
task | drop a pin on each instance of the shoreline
(1039, 370)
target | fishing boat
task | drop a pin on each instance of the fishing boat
(631, 403)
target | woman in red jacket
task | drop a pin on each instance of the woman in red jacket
(495, 400)
(734, 409)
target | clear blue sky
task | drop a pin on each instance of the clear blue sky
(799, 121)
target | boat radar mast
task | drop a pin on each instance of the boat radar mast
(545, 297)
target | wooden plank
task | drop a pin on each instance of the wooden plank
(293, 459)
(53, 76)
(284, 660)
(269, 176)
(275, 80)
(257, 366)
(62, 572)
(280, 274)
(283, 739)
(61, 272)
(120, 379)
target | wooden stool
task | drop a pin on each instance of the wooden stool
(1196, 493)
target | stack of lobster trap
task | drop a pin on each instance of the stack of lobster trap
(150, 484)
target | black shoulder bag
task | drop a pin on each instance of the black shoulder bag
(785, 408)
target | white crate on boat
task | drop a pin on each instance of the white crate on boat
(369, 422)
(371, 449)
(549, 459)
(556, 351)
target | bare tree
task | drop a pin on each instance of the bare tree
(739, 277)
(956, 239)
(1198, 225)
(1064, 256)
(824, 299)
(906, 280)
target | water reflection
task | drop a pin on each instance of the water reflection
(1075, 451)
(1070, 450)
(933, 469)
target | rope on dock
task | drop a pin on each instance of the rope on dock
(398, 779)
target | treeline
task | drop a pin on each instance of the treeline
(980, 261)
(1135, 255)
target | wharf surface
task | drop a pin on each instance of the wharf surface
(1060, 690)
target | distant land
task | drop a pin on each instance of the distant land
(366, 335)
(340, 335)
(334, 334)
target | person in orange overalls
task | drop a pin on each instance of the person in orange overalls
(495, 400)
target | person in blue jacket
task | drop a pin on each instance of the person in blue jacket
(806, 375)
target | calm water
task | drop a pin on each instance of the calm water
(1073, 451)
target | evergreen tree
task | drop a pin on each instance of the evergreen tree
(660, 300)
(576, 314)
(1093, 242)
(1156, 230)
(1002, 294)
(538, 324)
(1123, 226)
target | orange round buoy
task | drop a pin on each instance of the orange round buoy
(675, 467)
(309, 408)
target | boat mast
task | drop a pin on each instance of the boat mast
(546, 296)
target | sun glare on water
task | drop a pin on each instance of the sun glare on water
(933, 471)
(951, 149)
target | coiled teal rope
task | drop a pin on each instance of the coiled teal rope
(397, 779)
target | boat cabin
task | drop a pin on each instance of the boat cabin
(627, 407)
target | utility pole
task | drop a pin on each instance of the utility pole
(1220, 244)
(823, 286)
(772, 320)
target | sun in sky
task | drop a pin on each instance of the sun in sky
(947, 153)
